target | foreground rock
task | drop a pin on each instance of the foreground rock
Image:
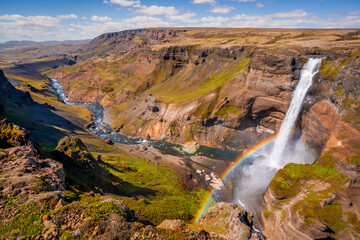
(83, 170)
(35, 205)
(172, 225)
(318, 201)
(21, 169)
(228, 220)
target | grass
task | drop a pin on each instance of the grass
(171, 90)
(27, 222)
(354, 159)
(99, 210)
(288, 181)
(11, 135)
(352, 114)
(330, 69)
(267, 213)
(171, 201)
(228, 109)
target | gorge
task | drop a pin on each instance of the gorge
(267, 119)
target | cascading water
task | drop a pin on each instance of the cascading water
(252, 178)
(309, 71)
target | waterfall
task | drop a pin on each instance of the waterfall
(306, 76)
(254, 175)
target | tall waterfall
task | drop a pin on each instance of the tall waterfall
(306, 76)
(254, 175)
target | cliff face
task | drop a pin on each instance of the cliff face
(320, 200)
(8, 92)
(217, 96)
(233, 97)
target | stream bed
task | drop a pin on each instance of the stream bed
(105, 131)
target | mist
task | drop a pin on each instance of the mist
(251, 179)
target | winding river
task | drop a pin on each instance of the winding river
(104, 131)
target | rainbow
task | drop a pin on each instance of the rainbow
(242, 159)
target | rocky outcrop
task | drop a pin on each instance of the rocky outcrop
(318, 201)
(83, 170)
(126, 40)
(9, 92)
(173, 225)
(228, 220)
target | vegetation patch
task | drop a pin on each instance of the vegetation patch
(354, 159)
(169, 201)
(228, 109)
(288, 181)
(26, 222)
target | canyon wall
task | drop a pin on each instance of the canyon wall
(233, 97)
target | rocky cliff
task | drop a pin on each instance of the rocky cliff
(233, 96)
(318, 201)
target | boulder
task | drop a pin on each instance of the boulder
(172, 225)
(228, 220)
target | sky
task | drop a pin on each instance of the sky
(43, 20)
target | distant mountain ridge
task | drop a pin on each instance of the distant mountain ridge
(25, 43)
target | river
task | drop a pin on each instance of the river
(105, 131)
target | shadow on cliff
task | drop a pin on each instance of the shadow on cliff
(45, 126)
(85, 173)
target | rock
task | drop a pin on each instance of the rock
(228, 220)
(173, 225)
(89, 125)
(108, 141)
(50, 233)
(318, 124)
(49, 224)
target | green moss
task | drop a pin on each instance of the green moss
(169, 200)
(340, 90)
(354, 159)
(309, 221)
(27, 222)
(176, 90)
(283, 215)
(71, 196)
(287, 181)
(99, 210)
(228, 109)
(348, 101)
(352, 115)
(354, 220)
(11, 135)
(267, 213)
(277, 207)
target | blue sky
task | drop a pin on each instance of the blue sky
(42, 20)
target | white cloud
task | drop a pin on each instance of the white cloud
(76, 25)
(30, 21)
(214, 19)
(124, 3)
(291, 14)
(98, 28)
(259, 5)
(203, 1)
(69, 16)
(246, 0)
(186, 18)
(355, 12)
(157, 10)
(221, 9)
(102, 19)
(142, 19)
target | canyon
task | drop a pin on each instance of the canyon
(226, 89)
